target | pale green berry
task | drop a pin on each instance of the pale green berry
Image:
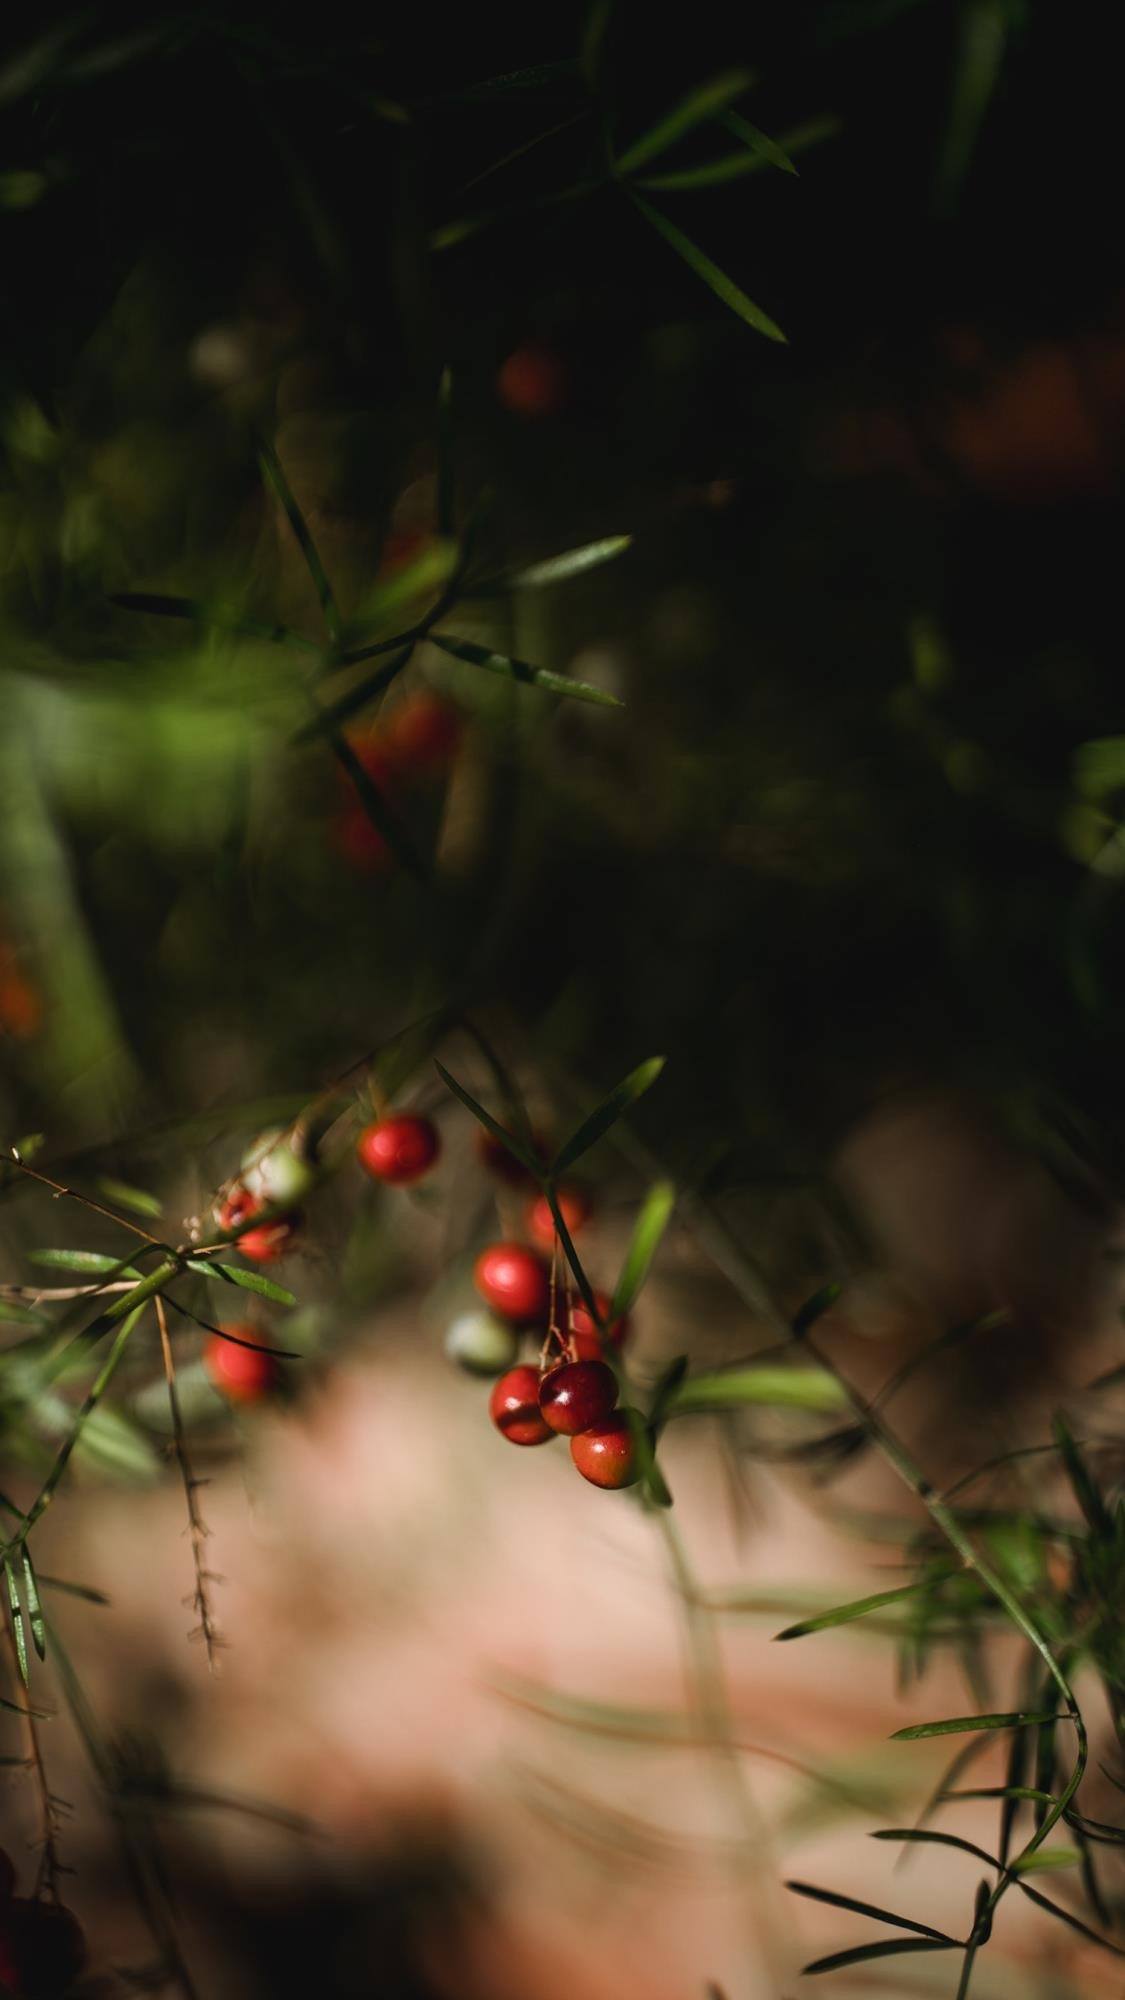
(481, 1344)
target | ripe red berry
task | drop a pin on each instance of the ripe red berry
(514, 1281)
(7, 1875)
(421, 734)
(271, 1241)
(576, 1395)
(494, 1155)
(532, 381)
(574, 1207)
(584, 1332)
(42, 1949)
(606, 1453)
(399, 1150)
(514, 1407)
(244, 1374)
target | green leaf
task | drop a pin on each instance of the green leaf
(137, 1199)
(1042, 1858)
(519, 1152)
(157, 604)
(329, 718)
(33, 1606)
(1066, 1917)
(648, 1230)
(861, 1953)
(760, 142)
(427, 572)
(652, 1481)
(88, 1261)
(18, 1633)
(956, 1724)
(843, 1614)
(881, 1916)
(692, 110)
(1083, 1484)
(815, 1308)
(250, 1281)
(734, 166)
(520, 670)
(572, 562)
(762, 1386)
(608, 1112)
(723, 287)
(274, 475)
(1002, 1792)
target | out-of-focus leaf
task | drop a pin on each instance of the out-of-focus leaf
(274, 475)
(520, 670)
(814, 1309)
(734, 166)
(955, 1724)
(137, 1199)
(760, 1386)
(90, 1262)
(111, 1443)
(700, 104)
(1084, 1485)
(250, 1281)
(1042, 1858)
(560, 568)
(158, 604)
(760, 142)
(424, 574)
(365, 691)
(648, 1230)
(704, 267)
(608, 1112)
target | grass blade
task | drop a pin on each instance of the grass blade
(608, 1112)
(33, 1607)
(843, 1614)
(279, 485)
(521, 670)
(518, 1151)
(861, 1953)
(571, 562)
(955, 1724)
(18, 1633)
(723, 287)
(250, 1281)
(700, 104)
(859, 1909)
(648, 1231)
(764, 1387)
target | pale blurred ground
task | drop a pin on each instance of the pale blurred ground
(391, 1564)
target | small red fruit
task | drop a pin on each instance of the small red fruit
(42, 1949)
(574, 1207)
(584, 1332)
(271, 1241)
(514, 1281)
(576, 1395)
(421, 734)
(606, 1453)
(399, 1150)
(514, 1407)
(244, 1374)
(532, 381)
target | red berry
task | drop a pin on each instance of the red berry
(574, 1207)
(494, 1155)
(244, 1374)
(532, 381)
(236, 1206)
(606, 1453)
(514, 1281)
(576, 1395)
(421, 734)
(514, 1407)
(7, 1875)
(42, 1949)
(399, 1150)
(271, 1241)
(584, 1332)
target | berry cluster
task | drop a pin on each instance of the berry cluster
(42, 1949)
